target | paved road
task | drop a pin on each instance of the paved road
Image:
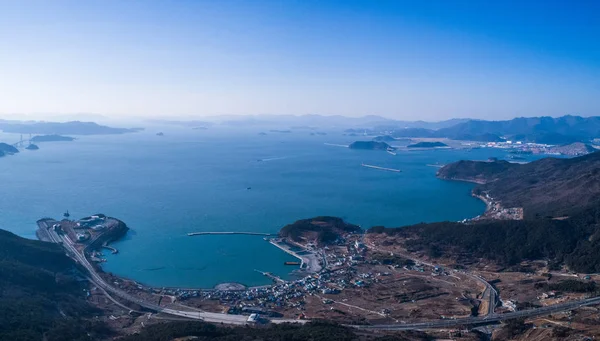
(489, 292)
(487, 319)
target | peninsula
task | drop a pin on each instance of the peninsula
(88, 234)
(549, 187)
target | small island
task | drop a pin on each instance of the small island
(384, 138)
(32, 147)
(370, 145)
(51, 138)
(435, 144)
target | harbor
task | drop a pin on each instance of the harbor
(309, 260)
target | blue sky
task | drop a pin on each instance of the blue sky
(427, 60)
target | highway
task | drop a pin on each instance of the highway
(443, 324)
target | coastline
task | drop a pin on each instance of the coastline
(494, 210)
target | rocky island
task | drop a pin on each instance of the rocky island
(371, 145)
(32, 147)
(51, 138)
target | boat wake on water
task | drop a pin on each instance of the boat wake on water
(381, 168)
(274, 158)
(336, 145)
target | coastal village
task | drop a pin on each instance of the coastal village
(355, 278)
(352, 284)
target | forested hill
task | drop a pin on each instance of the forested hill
(574, 241)
(38, 297)
(323, 230)
(548, 187)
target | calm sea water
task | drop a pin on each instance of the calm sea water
(188, 181)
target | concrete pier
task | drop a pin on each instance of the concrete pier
(271, 276)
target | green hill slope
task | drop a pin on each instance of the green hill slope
(38, 296)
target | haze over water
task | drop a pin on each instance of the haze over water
(189, 181)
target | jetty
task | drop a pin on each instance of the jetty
(191, 234)
(381, 168)
(271, 276)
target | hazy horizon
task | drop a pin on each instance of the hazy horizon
(405, 61)
(277, 118)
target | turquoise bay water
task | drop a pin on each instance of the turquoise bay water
(189, 181)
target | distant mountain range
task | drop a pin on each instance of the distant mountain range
(61, 128)
(546, 130)
(549, 130)
(322, 121)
